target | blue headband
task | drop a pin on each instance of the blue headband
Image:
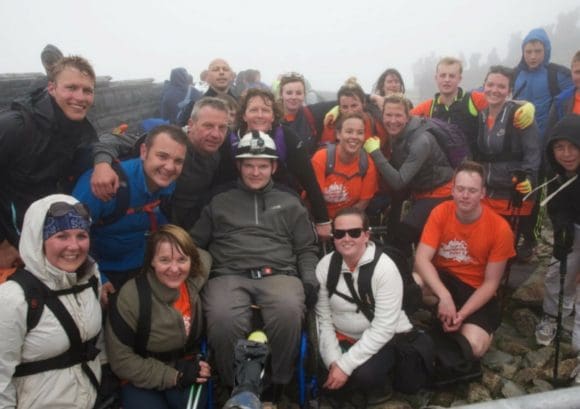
(70, 220)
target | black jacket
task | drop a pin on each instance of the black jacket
(40, 151)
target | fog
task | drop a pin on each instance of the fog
(326, 41)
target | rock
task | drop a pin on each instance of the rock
(565, 369)
(494, 359)
(492, 381)
(442, 398)
(511, 389)
(531, 292)
(526, 375)
(540, 386)
(539, 358)
(509, 370)
(513, 346)
(525, 321)
(476, 392)
(393, 404)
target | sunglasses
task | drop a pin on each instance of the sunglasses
(354, 233)
(60, 209)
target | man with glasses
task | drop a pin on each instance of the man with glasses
(461, 258)
(263, 247)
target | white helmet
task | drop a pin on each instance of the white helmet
(257, 144)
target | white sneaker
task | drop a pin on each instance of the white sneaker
(546, 330)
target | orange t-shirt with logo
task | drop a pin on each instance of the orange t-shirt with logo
(464, 250)
(344, 187)
(183, 305)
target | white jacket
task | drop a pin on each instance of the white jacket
(337, 314)
(60, 388)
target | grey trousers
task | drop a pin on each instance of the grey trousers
(571, 288)
(226, 305)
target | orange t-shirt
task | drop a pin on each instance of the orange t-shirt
(344, 187)
(183, 305)
(465, 249)
(502, 206)
(576, 109)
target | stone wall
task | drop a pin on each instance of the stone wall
(115, 101)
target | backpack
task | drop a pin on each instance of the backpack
(363, 163)
(129, 148)
(37, 296)
(450, 138)
(553, 85)
(138, 338)
(365, 300)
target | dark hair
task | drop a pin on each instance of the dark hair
(379, 87)
(72, 61)
(176, 237)
(347, 211)
(342, 119)
(576, 57)
(470, 166)
(352, 89)
(502, 70)
(174, 132)
(267, 97)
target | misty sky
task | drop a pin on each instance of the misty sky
(326, 40)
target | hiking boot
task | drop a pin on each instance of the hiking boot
(546, 330)
(525, 251)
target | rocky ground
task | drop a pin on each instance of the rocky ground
(515, 365)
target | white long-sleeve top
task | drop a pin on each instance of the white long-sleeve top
(337, 314)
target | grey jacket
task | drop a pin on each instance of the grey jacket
(245, 229)
(417, 162)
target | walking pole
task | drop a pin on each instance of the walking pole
(563, 268)
(515, 204)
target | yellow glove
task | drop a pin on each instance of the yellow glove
(524, 115)
(372, 144)
(331, 116)
(524, 187)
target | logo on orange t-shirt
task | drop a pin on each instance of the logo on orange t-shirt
(455, 250)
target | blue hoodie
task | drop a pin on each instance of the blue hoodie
(532, 85)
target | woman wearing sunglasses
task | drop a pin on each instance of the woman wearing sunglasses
(358, 351)
(48, 352)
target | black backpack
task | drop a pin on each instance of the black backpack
(450, 138)
(365, 300)
(138, 338)
(37, 296)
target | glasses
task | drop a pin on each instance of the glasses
(354, 233)
(60, 209)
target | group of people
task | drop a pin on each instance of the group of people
(224, 209)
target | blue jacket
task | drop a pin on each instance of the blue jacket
(120, 246)
(563, 105)
(532, 85)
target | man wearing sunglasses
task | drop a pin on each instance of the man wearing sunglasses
(461, 258)
(263, 247)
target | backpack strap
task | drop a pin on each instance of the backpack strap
(33, 293)
(79, 352)
(144, 321)
(363, 163)
(333, 273)
(138, 339)
(553, 84)
(123, 201)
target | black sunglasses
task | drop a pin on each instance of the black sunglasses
(354, 233)
(59, 209)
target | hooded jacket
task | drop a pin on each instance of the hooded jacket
(417, 162)
(564, 207)
(532, 85)
(173, 93)
(245, 229)
(57, 388)
(39, 149)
